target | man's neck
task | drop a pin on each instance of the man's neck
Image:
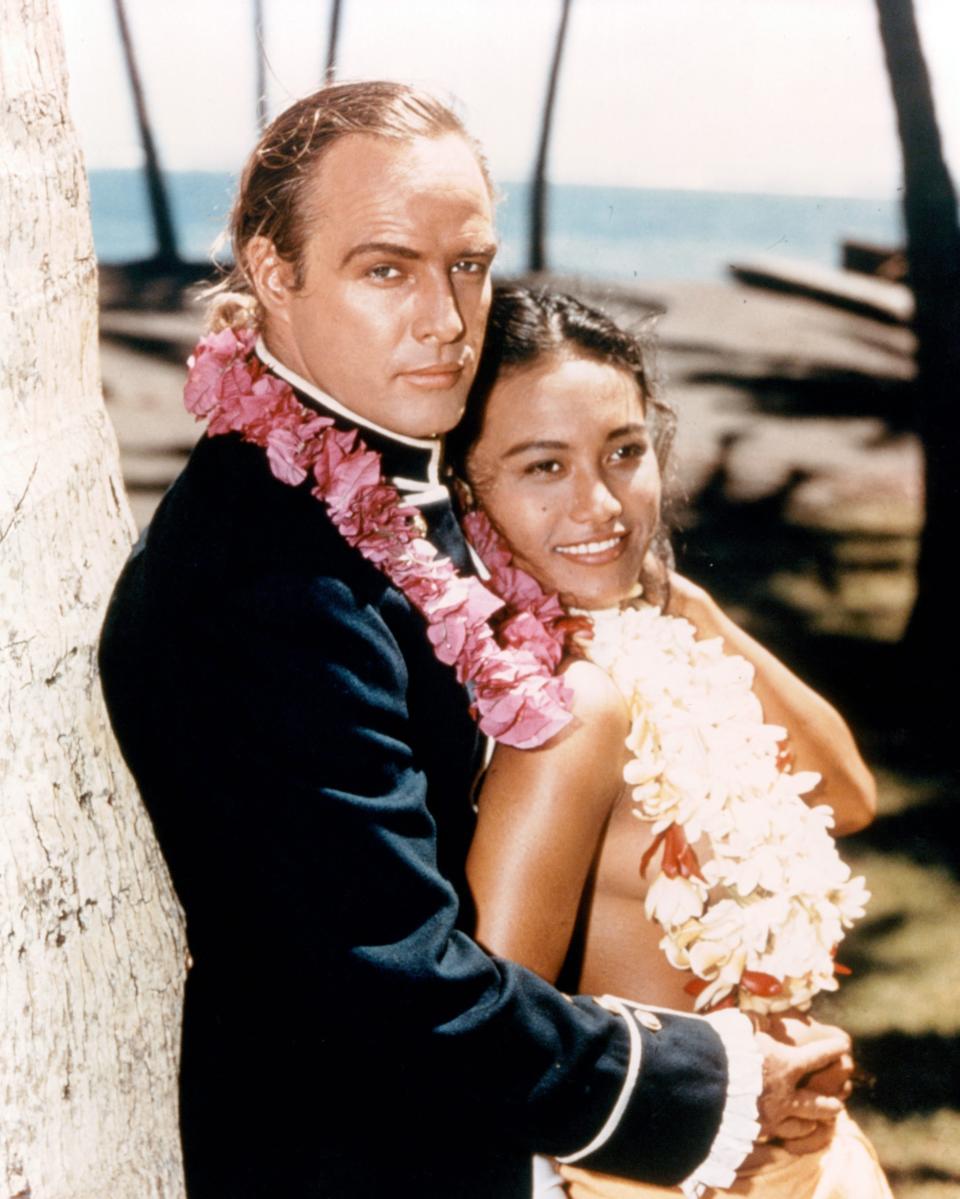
(334, 405)
(411, 464)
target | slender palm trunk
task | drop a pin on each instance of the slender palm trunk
(330, 71)
(933, 253)
(538, 194)
(261, 64)
(163, 228)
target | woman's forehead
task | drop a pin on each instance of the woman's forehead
(566, 395)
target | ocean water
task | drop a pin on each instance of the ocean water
(607, 232)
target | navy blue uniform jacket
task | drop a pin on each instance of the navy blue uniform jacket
(307, 763)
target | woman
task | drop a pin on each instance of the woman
(562, 450)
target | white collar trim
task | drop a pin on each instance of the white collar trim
(432, 444)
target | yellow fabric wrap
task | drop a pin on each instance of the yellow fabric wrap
(847, 1168)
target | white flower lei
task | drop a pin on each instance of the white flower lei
(761, 923)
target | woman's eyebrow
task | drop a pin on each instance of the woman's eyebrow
(523, 446)
(626, 430)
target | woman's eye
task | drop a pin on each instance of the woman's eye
(548, 466)
(630, 452)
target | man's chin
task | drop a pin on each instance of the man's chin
(418, 415)
(449, 422)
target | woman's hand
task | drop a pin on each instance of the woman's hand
(820, 1092)
(799, 1028)
(691, 602)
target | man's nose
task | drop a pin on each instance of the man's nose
(438, 316)
(595, 502)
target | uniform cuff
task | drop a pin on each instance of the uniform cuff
(671, 1102)
(628, 1012)
(739, 1126)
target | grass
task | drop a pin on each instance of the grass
(901, 1003)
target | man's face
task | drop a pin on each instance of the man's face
(396, 282)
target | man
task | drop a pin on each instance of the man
(308, 761)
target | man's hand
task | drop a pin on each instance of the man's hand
(806, 1070)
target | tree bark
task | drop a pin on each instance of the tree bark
(92, 945)
(538, 192)
(933, 255)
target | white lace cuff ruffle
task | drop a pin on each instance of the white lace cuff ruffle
(739, 1127)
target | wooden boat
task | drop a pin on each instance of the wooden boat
(867, 295)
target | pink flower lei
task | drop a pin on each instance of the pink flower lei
(510, 661)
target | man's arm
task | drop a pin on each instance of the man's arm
(520, 1061)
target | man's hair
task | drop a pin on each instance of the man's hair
(271, 200)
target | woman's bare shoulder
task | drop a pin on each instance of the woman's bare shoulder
(575, 777)
(599, 710)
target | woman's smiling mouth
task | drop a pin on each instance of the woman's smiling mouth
(594, 552)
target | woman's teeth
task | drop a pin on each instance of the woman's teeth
(589, 547)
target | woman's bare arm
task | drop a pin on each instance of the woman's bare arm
(542, 816)
(819, 738)
(542, 813)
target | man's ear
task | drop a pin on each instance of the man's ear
(271, 276)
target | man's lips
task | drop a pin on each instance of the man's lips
(595, 552)
(438, 376)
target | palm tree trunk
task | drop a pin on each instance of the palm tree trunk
(330, 71)
(166, 252)
(933, 254)
(538, 195)
(261, 65)
(92, 955)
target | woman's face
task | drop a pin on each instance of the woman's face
(566, 470)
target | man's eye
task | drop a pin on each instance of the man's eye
(469, 266)
(383, 271)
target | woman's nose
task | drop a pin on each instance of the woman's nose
(595, 502)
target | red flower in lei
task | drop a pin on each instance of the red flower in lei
(518, 699)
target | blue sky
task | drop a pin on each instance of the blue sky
(752, 95)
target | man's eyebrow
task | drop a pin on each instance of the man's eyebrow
(380, 247)
(487, 250)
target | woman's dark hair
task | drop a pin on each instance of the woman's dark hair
(526, 326)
